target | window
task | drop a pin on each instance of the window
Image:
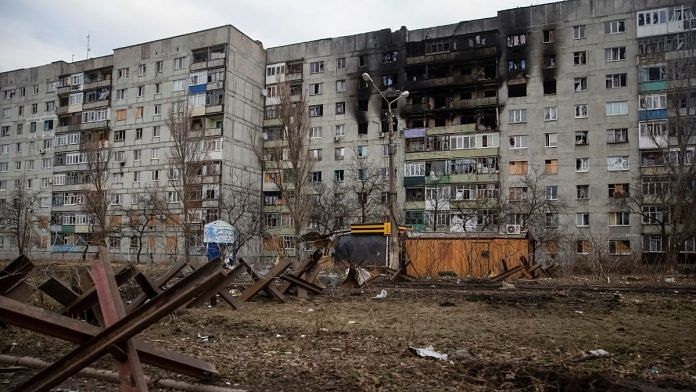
(516, 90)
(139, 112)
(581, 111)
(340, 107)
(653, 244)
(582, 219)
(582, 247)
(339, 175)
(551, 113)
(652, 73)
(551, 220)
(159, 66)
(178, 85)
(516, 65)
(551, 192)
(35, 89)
(551, 139)
(141, 69)
(316, 88)
(136, 155)
(116, 198)
(154, 175)
(652, 102)
(141, 91)
(516, 40)
(652, 129)
(518, 168)
(315, 154)
(518, 141)
(517, 116)
(363, 105)
(582, 165)
(549, 36)
(619, 247)
(315, 133)
(414, 169)
(620, 218)
(617, 108)
(580, 57)
(179, 62)
(618, 163)
(339, 153)
(582, 192)
(551, 166)
(155, 153)
(121, 115)
(316, 110)
(654, 215)
(518, 193)
(315, 177)
(122, 73)
(76, 99)
(361, 151)
(618, 190)
(50, 106)
(340, 130)
(362, 60)
(580, 84)
(617, 135)
(614, 26)
(341, 63)
(340, 86)
(616, 80)
(119, 136)
(362, 128)
(615, 54)
(550, 61)
(157, 110)
(316, 67)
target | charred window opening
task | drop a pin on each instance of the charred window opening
(550, 61)
(362, 128)
(466, 94)
(294, 68)
(440, 121)
(385, 123)
(415, 123)
(489, 72)
(362, 60)
(440, 101)
(490, 93)
(435, 72)
(517, 90)
(390, 57)
(295, 89)
(550, 87)
(487, 119)
(363, 104)
(467, 118)
(415, 194)
(415, 74)
(549, 36)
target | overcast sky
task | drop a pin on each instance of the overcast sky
(36, 32)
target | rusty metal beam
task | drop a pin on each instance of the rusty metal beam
(21, 291)
(65, 328)
(88, 299)
(14, 272)
(59, 291)
(263, 283)
(302, 283)
(221, 289)
(149, 288)
(130, 370)
(159, 282)
(140, 319)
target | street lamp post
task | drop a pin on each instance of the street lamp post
(394, 246)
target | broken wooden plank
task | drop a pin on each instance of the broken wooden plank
(264, 282)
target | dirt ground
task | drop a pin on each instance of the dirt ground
(532, 338)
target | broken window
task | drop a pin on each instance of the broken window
(549, 36)
(580, 84)
(580, 57)
(581, 137)
(550, 61)
(390, 57)
(517, 90)
(550, 87)
(516, 40)
(516, 66)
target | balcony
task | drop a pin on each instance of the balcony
(97, 84)
(416, 108)
(450, 154)
(94, 125)
(213, 132)
(95, 104)
(655, 114)
(215, 85)
(293, 76)
(449, 129)
(214, 109)
(474, 102)
(60, 110)
(464, 55)
(653, 86)
(447, 81)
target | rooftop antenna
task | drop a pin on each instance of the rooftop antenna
(88, 45)
(72, 60)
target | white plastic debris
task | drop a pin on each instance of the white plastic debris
(352, 322)
(428, 352)
(204, 338)
(670, 280)
(507, 286)
(579, 312)
(382, 294)
(599, 353)
(279, 335)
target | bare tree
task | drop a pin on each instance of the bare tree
(96, 190)
(331, 211)
(186, 162)
(665, 195)
(143, 212)
(19, 217)
(240, 206)
(368, 186)
(289, 165)
(437, 208)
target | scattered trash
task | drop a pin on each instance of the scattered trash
(310, 310)
(599, 353)
(205, 338)
(507, 286)
(279, 335)
(428, 352)
(579, 312)
(654, 370)
(352, 322)
(509, 376)
(446, 303)
(462, 354)
(670, 280)
(382, 294)
(303, 336)
(324, 329)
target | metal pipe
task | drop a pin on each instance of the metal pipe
(109, 376)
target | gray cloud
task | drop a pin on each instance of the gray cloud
(41, 31)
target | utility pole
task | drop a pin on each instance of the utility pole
(394, 245)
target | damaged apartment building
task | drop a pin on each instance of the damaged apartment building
(537, 119)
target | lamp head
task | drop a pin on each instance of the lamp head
(404, 94)
(366, 77)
